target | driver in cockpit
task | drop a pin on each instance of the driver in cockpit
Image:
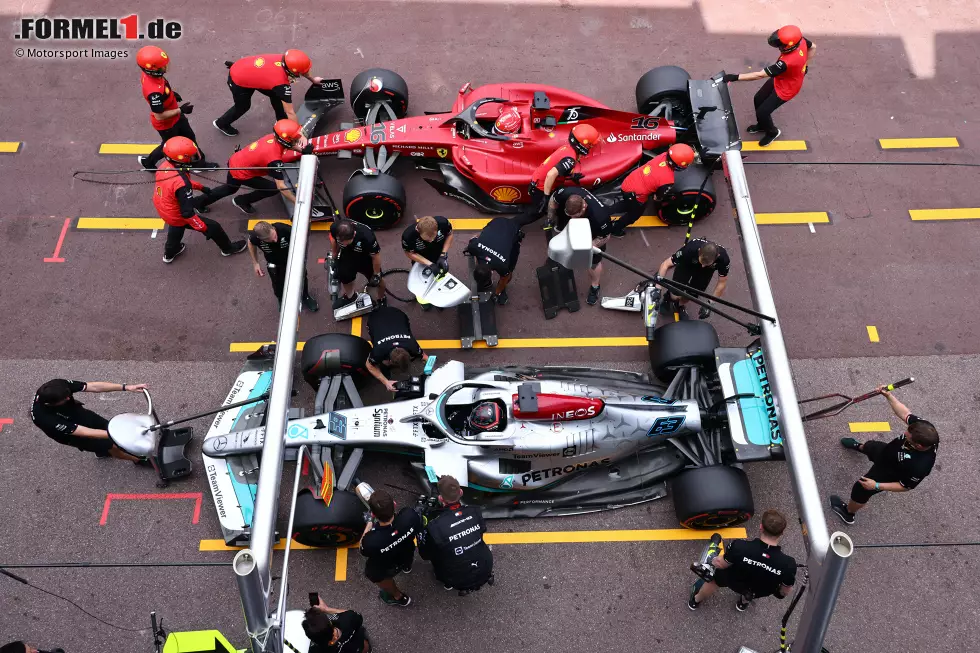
(486, 417)
(508, 122)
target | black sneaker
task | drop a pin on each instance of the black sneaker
(742, 605)
(851, 443)
(388, 599)
(667, 306)
(502, 298)
(227, 131)
(237, 247)
(170, 259)
(619, 234)
(310, 303)
(243, 206)
(143, 162)
(593, 295)
(681, 314)
(769, 138)
(695, 588)
(202, 209)
(342, 301)
(839, 508)
(754, 129)
(143, 462)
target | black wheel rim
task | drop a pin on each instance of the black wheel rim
(327, 536)
(679, 211)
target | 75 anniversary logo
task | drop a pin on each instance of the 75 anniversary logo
(96, 29)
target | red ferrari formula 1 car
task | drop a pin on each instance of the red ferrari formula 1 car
(491, 170)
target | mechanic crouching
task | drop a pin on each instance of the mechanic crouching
(571, 202)
(355, 250)
(394, 345)
(332, 630)
(427, 243)
(694, 264)
(496, 249)
(751, 568)
(655, 178)
(558, 166)
(388, 544)
(453, 542)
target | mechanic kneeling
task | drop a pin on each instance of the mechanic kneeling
(66, 421)
(571, 202)
(427, 243)
(453, 542)
(694, 265)
(558, 166)
(751, 568)
(355, 249)
(394, 344)
(655, 178)
(331, 630)
(496, 249)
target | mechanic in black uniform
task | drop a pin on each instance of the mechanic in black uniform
(66, 421)
(355, 250)
(897, 466)
(570, 202)
(453, 541)
(388, 544)
(751, 568)
(394, 344)
(558, 166)
(497, 249)
(273, 240)
(428, 241)
(335, 631)
(694, 265)
(21, 647)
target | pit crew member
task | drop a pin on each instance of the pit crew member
(751, 568)
(427, 242)
(556, 168)
(167, 115)
(332, 630)
(174, 201)
(65, 420)
(267, 155)
(653, 179)
(21, 647)
(497, 249)
(785, 79)
(694, 264)
(394, 345)
(453, 541)
(388, 544)
(355, 250)
(570, 202)
(897, 466)
(271, 75)
(273, 240)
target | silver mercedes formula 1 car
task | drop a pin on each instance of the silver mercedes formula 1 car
(525, 442)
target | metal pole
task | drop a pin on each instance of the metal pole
(255, 606)
(284, 583)
(777, 361)
(270, 473)
(812, 627)
(823, 595)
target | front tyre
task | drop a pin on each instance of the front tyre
(688, 199)
(714, 497)
(339, 524)
(375, 200)
(378, 85)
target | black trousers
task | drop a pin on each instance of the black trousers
(631, 208)
(181, 128)
(264, 187)
(766, 101)
(212, 231)
(532, 210)
(243, 102)
(277, 275)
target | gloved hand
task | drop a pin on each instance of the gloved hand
(177, 97)
(374, 281)
(576, 177)
(442, 264)
(206, 190)
(187, 108)
(704, 313)
(729, 77)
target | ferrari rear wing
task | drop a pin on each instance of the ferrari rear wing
(714, 116)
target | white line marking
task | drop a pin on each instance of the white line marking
(812, 230)
(153, 234)
(358, 51)
(644, 237)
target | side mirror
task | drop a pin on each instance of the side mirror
(572, 247)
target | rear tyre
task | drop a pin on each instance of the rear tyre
(352, 353)
(339, 524)
(684, 198)
(378, 85)
(690, 343)
(375, 200)
(712, 497)
(663, 84)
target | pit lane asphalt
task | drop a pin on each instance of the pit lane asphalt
(112, 303)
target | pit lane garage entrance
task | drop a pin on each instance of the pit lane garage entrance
(827, 554)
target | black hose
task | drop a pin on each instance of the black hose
(385, 273)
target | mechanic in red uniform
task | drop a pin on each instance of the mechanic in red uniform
(269, 74)
(557, 167)
(654, 178)
(174, 201)
(166, 116)
(269, 153)
(785, 79)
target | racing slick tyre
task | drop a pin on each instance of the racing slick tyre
(375, 200)
(352, 353)
(688, 343)
(664, 83)
(378, 85)
(712, 497)
(317, 524)
(683, 200)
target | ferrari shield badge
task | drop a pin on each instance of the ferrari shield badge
(442, 152)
